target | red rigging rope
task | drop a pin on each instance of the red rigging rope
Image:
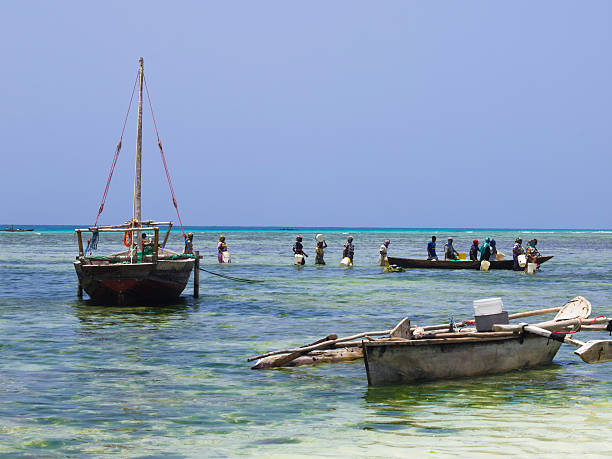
(163, 157)
(117, 150)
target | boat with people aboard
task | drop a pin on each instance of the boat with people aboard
(454, 264)
(408, 354)
(146, 270)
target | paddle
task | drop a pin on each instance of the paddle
(596, 351)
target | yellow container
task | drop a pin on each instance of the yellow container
(462, 255)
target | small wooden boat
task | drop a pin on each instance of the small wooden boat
(402, 362)
(409, 354)
(458, 264)
(146, 271)
(11, 229)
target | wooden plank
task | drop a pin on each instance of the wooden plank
(196, 275)
(333, 356)
(155, 245)
(80, 239)
(167, 235)
(597, 351)
(402, 329)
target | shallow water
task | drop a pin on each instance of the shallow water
(78, 379)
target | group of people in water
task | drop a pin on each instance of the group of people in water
(348, 251)
(487, 251)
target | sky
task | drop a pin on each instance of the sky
(345, 113)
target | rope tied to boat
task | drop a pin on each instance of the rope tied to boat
(557, 336)
(163, 157)
(237, 279)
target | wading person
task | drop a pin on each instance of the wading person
(223, 255)
(431, 249)
(493, 245)
(382, 259)
(449, 251)
(532, 253)
(474, 250)
(298, 250)
(320, 252)
(485, 250)
(349, 249)
(517, 250)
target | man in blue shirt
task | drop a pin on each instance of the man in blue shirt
(431, 249)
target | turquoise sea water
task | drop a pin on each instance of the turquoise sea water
(84, 380)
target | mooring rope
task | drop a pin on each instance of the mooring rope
(237, 279)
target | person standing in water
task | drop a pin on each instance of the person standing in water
(493, 245)
(449, 251)
(474, 250)
(320, 252)
(431, 249)
(349, 249)
(222, 253)
(298, 249)
(516, 251)
(532, 253)
(382, 259)
(485, 250)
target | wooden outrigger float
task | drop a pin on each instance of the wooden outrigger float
(145, 272)
(416, 263)
(408, 354)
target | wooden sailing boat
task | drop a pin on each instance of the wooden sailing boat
(146, 271)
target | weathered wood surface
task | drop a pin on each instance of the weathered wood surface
(551, 324)
(402, 329)
(132, 283)
(596, 351)
(138, 166)
(418, 360)
(576, 307)
(196, 274)
(322, 345)
(332, 356)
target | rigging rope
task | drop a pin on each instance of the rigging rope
(163, 157)
(112, 169)
(237, 279)
(117, 150)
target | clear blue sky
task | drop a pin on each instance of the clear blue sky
(344, 113)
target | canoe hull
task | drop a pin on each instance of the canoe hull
(428, 264)
(124, 284)
(409, 362)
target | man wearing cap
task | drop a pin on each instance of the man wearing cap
(449, 251)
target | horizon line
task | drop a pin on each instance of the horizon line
(296, 228)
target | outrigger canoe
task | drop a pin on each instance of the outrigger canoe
(458, 264)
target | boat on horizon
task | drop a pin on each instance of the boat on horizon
(12, 229)
(416, 263)
(147, 271)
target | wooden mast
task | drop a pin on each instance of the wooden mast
(138, 171)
